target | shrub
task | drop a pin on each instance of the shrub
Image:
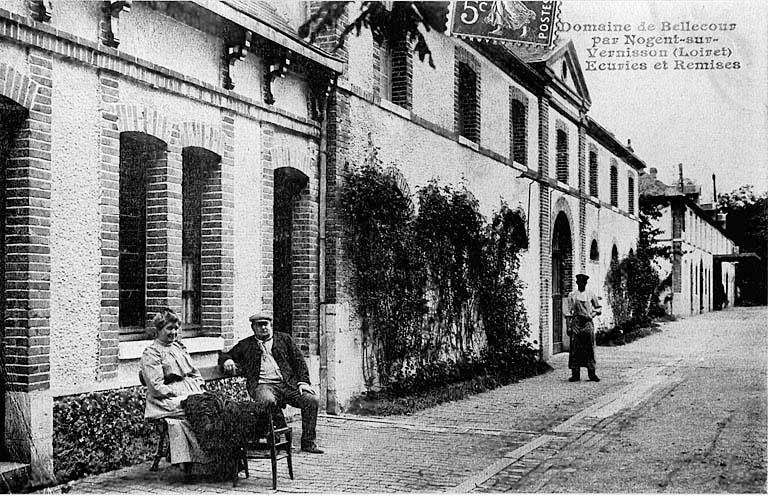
(101, 431)
(426, 283)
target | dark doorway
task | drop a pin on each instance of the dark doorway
(12, 117)
(562, 270)
(289, 183)
(701, 287)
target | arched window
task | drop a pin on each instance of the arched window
(562, 156)
(631, 195)
(614, 255)
(614, 184)
(593, 173)
(594, 252)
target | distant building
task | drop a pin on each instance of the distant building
(702, 270)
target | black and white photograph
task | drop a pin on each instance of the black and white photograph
(365, 247)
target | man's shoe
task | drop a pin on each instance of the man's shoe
(574, 378)
(594, 378)
(312, 448)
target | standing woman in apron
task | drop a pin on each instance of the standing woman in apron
(581, 307)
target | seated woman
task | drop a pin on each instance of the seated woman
(170, 377)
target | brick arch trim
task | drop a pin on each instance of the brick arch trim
(142, 119)
(201, 135)
(561, 205)
(17, 87)
(295, 158)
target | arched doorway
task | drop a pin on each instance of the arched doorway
(289, 183)
(12, 116)
(562, 272)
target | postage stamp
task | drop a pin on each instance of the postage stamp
(532, 23)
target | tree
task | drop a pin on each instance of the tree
(747, 225)
(634, 282)
(390, 21)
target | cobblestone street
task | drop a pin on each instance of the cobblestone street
(681, 411)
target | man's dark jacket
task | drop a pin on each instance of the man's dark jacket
(247, 356)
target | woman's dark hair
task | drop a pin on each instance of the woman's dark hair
(164, 317)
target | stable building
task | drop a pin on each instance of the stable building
(508, 123)
(702, 269)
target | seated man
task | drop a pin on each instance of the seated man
(275, 373)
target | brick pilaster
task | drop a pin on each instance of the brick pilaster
(110, 228)
(545, 244)
(164, 229)
(305, 252)
(217, 240)
(27, 229)
(267, 217)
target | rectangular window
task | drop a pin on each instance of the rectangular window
(562, 156)
(519, 132)
(614, 185)
(193, 172)
(136, 152)
(468, 109)
(593, 174)
(631, 195)
(385, 72)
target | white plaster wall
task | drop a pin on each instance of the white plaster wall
(14, 56)
(533, 130)
(345, 370)
(291, 94)
(529, 260)
(433, 88)
(77, 17)
(248, 77)
(16, 6)
(184, 49)
(729, 281)
(360, 63)
(75, 225)
(494, 109)
(618, 229)
(247, 230)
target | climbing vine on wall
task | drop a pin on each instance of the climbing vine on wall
(427, 284)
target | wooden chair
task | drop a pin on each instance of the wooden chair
(268, 442)
(163, 442)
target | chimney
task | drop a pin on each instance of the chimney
(629, 145)
(653, 172)
(714, 196)
(681, 185)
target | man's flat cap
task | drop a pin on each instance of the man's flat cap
(260, 317)
(582, 277)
